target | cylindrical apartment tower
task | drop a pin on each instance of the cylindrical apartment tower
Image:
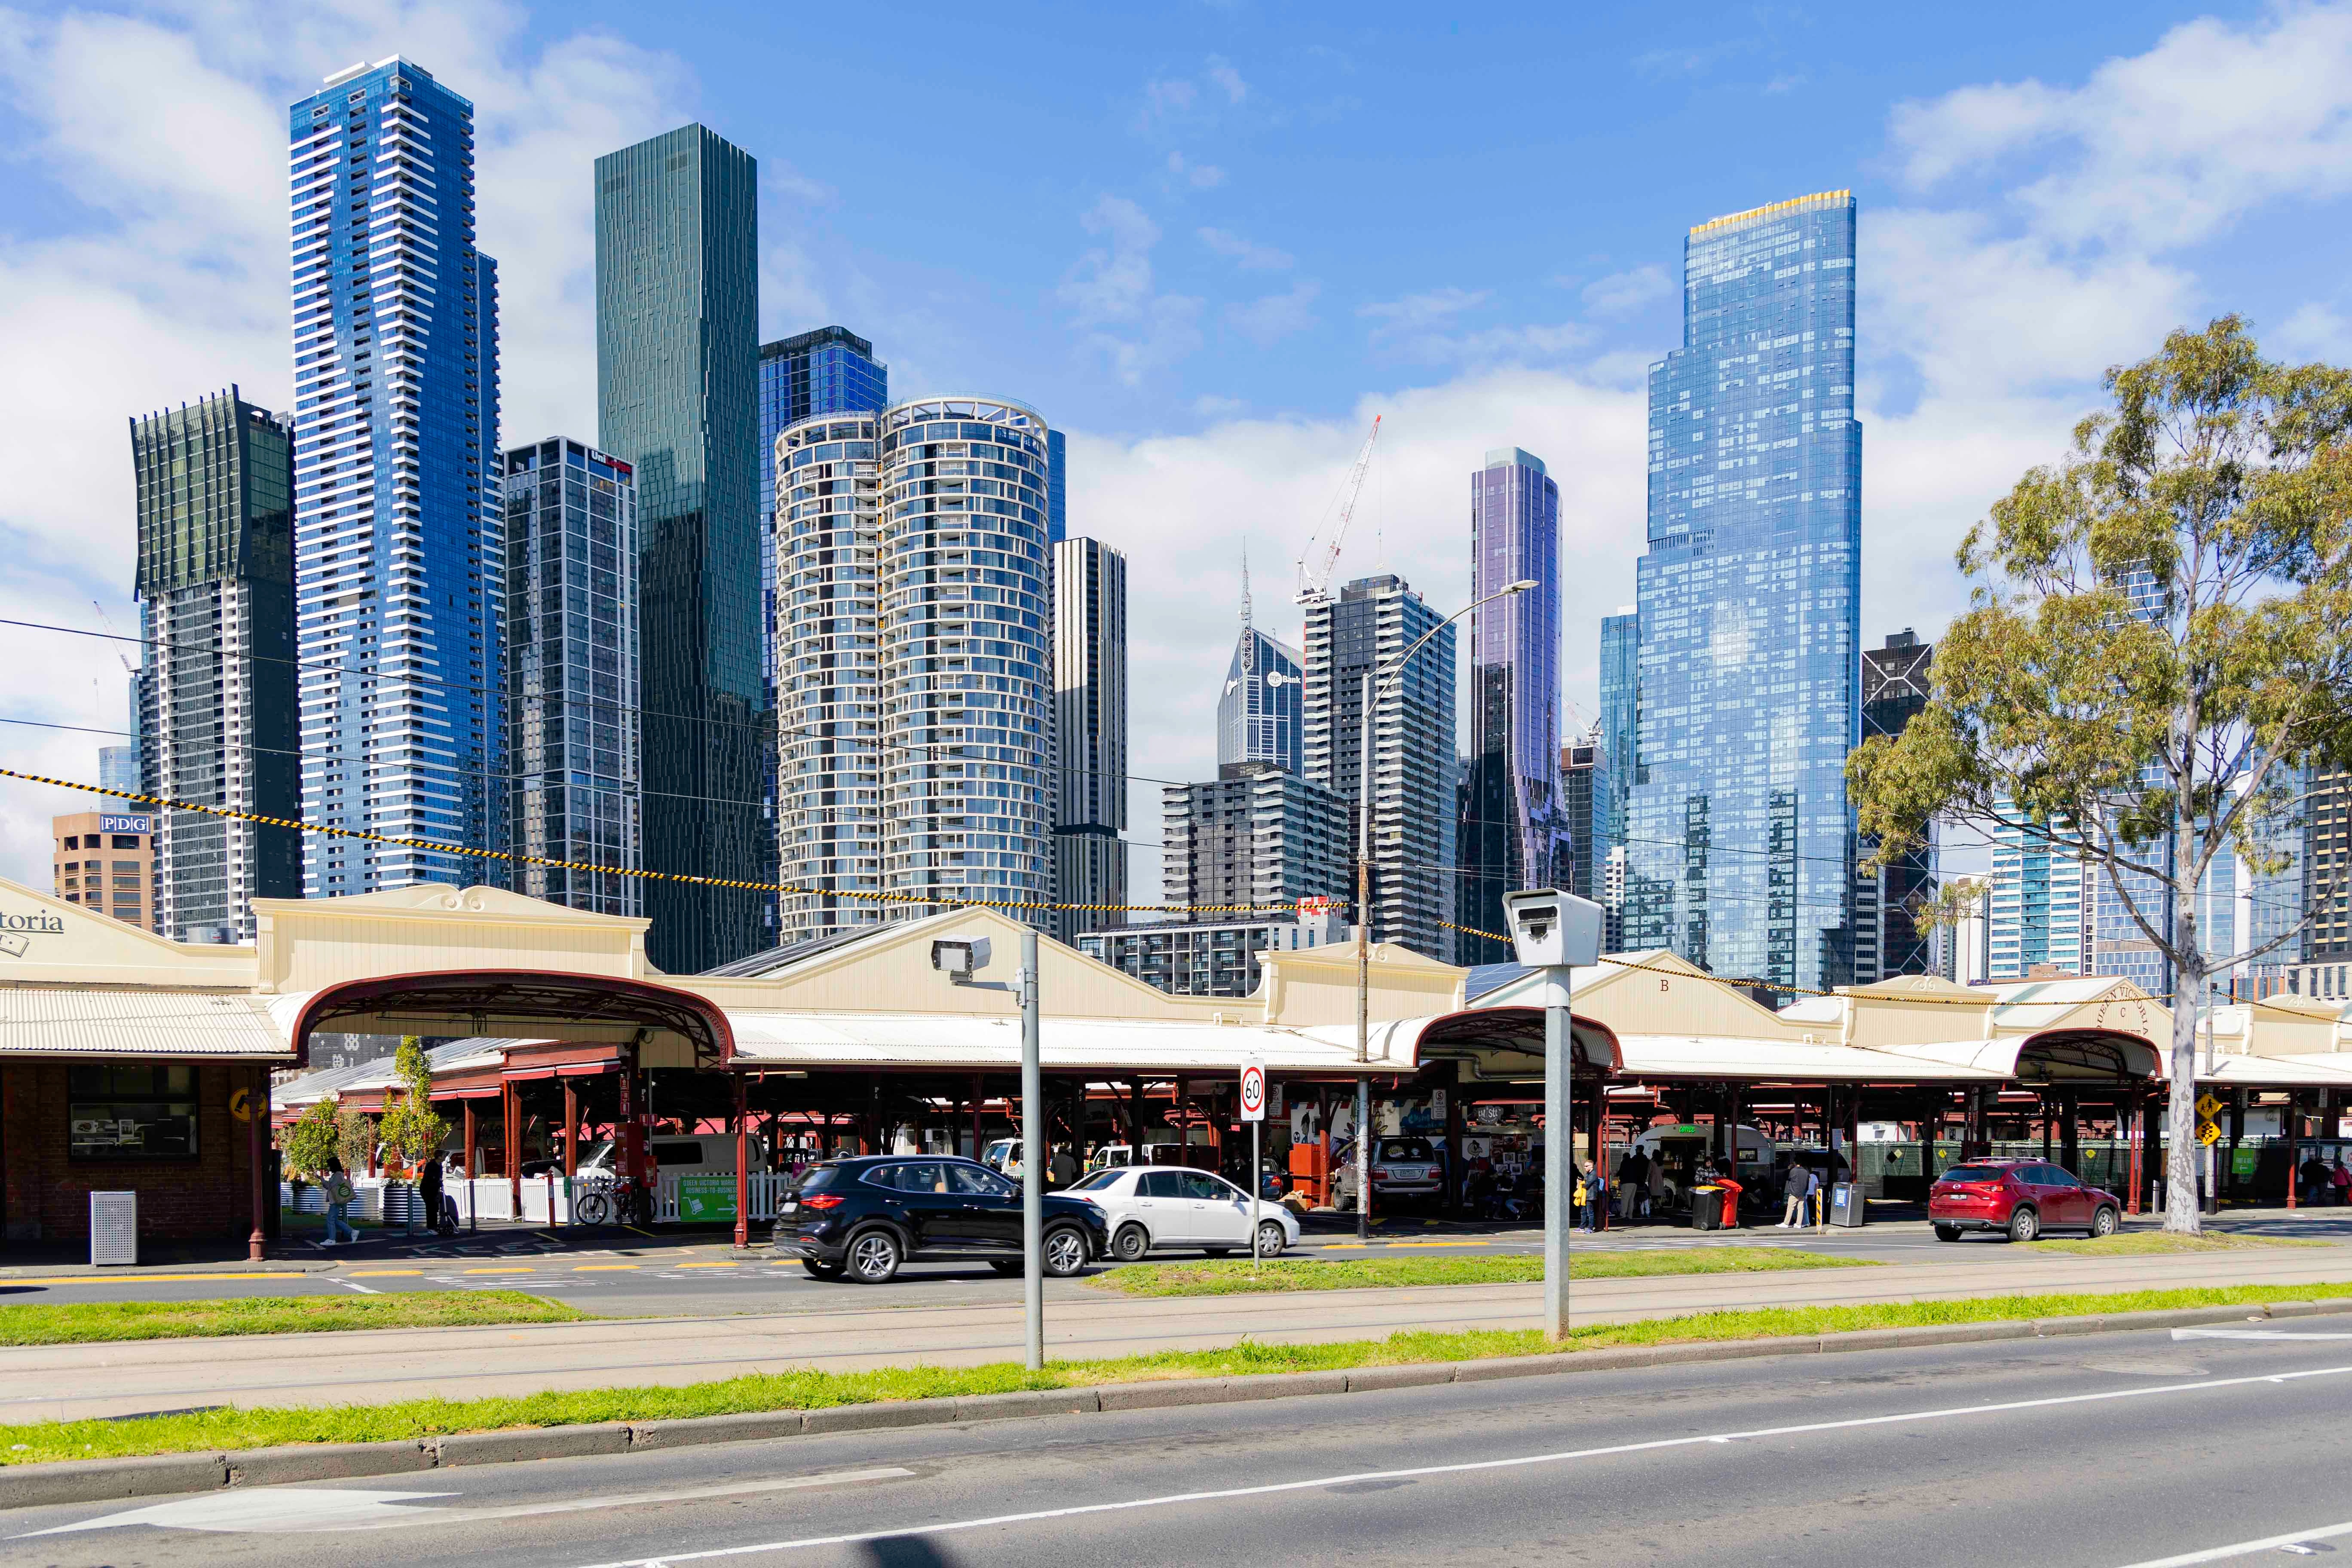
(828, 724)
(967, 663)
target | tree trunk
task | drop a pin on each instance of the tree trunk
(2182, 1212)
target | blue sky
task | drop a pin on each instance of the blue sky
(1212, 241)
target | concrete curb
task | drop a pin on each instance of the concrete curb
(103, 1480)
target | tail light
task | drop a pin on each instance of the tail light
(1380, 1173)
(823, 1201)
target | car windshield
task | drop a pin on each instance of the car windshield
(823, 1176)
(1098, 1179)
(1405, 1149)
(1974, 1173)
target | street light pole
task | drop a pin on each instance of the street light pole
(1032, 1161)
(1374, 678)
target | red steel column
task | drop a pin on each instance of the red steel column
(742, 1167)
(257, 1125)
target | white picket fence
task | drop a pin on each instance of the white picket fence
(546, 1200)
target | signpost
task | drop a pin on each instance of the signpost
(1556, 933)
(1254, 1113)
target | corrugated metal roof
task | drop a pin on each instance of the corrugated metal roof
(85, 1021)
(2330, 1070)
(1719, 1057)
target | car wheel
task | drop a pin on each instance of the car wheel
(1131, 1244)
(1066, 1251)
(820, 1270)
(2024, 1224)
(1270, 1240)
(1012, 1266)
(2105, 1221)
(1947, 1232)
(874, 1256)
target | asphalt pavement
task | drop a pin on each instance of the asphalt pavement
(2099, 1452)
(698, 1273)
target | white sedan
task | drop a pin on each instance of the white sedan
(1169, 1206)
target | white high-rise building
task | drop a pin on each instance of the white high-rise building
(2037, 908)
(966, 666)
(828, 715)
(398, 554)
(1090, 734)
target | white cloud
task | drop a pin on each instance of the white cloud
(1110, 292)
(1425, 327)
(2163, 148)
(1222, 72)
(1415, 310)
(2314, 331)
(1247, 254)
(1200, 176)
(1622, 292)
(1274, 316)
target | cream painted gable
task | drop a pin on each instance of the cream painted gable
(44, 940)
(1916, 1010)
(1303, 987)
(1660, 993)
(306, 944)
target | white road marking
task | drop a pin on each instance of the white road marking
(302, 1510)
(1473, 1467)
(2248, 1548)
(2252, 1334)
(355, 1285)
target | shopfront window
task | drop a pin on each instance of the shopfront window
(132, 1112)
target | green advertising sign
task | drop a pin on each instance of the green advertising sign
(707, 1200)
(2242, 1163)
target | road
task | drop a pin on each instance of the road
(698, 1275)
(2092, 1452)
(843, 1329)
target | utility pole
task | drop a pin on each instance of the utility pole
(1364, 957)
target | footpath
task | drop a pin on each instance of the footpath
(838, 1334)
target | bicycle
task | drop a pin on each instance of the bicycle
(603, 1200)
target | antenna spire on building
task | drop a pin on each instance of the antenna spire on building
(1246, 621)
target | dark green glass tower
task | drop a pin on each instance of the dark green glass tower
(216, 708)
(678, 368)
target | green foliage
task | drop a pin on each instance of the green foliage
(239, 1426)
(410, 1127)
(312, 1139)
(2159, 642)
(354, 1140)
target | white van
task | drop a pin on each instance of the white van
(676, 1154)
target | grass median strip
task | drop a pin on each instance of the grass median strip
(2165, 1242)
(1230, 1278)
(214, 1430)
(84, 1323)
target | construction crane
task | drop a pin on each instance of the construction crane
(1315, 565)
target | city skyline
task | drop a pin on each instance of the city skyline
(1283, 537)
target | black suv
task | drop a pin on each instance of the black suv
(861, 1218)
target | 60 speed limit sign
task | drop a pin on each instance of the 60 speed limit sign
(1253, 1091)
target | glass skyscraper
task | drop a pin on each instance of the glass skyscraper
(1888, 939)
(1741, 843)
(1620, 653)
(571, 674)
(397, 558)
(1090, 734)
(2035, 906)
(1511, 834)
(1260, 718)
(216, 716)
(677, 383)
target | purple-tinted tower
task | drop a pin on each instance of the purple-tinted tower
(1512, 832)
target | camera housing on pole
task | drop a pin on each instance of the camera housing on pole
(960, 958)
(1556, 933)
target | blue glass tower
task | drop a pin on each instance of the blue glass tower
(1261, 712)
(1740, 844)
(398, 562)
(678, 397)
(1511, 834)
(1057, 487)
(1620, 648)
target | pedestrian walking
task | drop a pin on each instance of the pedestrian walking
(339, 1198)
(1803, 1183)
(1632, 1175)
(428, 1196)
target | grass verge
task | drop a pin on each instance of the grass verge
(1231, 1279)
(2158, 1241)
(200, 1431)
(84, 1323)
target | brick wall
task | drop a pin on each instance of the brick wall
(46, 1193)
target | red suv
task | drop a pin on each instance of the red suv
(2023, 1197)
